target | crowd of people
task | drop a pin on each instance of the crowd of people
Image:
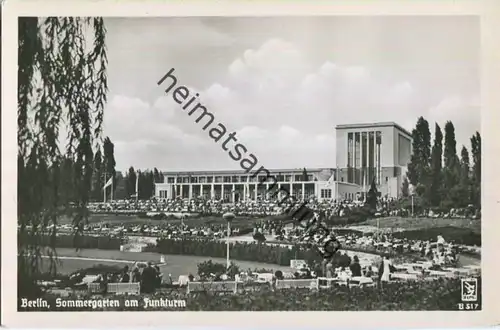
(340, 208)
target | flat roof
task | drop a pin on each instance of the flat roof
(243, 172)
(368, 125)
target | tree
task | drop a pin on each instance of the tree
(405, 188)
(305, 176)
(98, 177)
(130, 182)
(419, 166)
(450, 146)
(158, 177)
(435, 189)
(476, 168)
(372, 196)
(120, 191)
(109, 161)
(451, 168)
(62, 86)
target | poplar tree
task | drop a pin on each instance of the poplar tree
(419, 167)
(98, 182)
(62, 87)
(435, 188)
(476, 169)
(451, 167)
(109, 160)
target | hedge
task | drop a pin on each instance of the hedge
(455, 234)
(69, 241)
(271, 254)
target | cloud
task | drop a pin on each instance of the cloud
(284, 107)
(463, 112)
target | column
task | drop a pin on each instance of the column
(255, 192)
(367, 159)
(375, 155)
(233, 193)
(291, 189)
(303, 190)
(212, 191)
(244, 191)
(182, 196)
(222, 190)
(190, 190)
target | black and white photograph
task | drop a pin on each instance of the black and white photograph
(249, 163)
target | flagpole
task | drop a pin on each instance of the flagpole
(112, 189)
(104, 187)
(137, 187)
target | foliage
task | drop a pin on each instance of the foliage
(259, 237)
(130, 182)
(476, 169)
(442, 294)
(421, 145)
(305, 175)
(454, 185)
(83, 242)
(109, 162)
(372, 196)
(434, 195)
(62, 88)
(209, 267)
(449, 233)
(405, 187)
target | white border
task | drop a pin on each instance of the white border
(490, 21)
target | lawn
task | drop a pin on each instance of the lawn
(176, 264)
(423, 223)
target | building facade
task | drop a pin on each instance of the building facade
(377, 152)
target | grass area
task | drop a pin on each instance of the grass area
(423, 223)
(176, 264)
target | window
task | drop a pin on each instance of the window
(227, 179)
(326, 193)
(170, 179)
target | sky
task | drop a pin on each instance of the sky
(284, 83)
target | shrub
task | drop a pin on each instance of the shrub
(442, 294)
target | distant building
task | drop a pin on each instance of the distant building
(365, 152)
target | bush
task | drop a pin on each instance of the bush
(271, 254)
(442, 294)
(449, 233)
(72, 241)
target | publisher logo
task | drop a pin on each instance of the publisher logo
(469, 289)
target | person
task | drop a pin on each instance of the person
(125, 278)
(386, 269)
(148, 278)
(355, 267)
(136, 275)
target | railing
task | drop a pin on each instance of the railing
(116, 288)
(226, 286)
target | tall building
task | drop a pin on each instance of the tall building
(365, 153)
(377, 152)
